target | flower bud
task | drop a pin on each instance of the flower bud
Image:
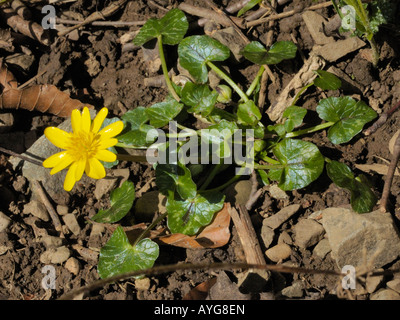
(224, 93)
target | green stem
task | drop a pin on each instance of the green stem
(165, 69)
(268, 166)
(151, 226)
(255, 81)
(225, 77)
(127, 146)
(213, 173)
(339, 12)
(297, 97)
(309, 130)
(375, 52)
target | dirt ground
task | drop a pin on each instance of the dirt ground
(93, 68)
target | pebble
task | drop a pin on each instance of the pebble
(373, 282)
(37, 209)
(285, 237)
(308, 232)
(55, 256)
(142, 284)
(295, 290)
(72, 224)
(281, 216)
(322, 248)
(350, 234)
(73, 265)
(394, 285)
(4, 221)
(62, 210)
(253, 281)
(279, 252)
(51, 241)
(277, 193)
(267, 235)
(104, 186)
(385, 294)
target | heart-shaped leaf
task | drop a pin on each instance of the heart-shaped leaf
(302, 164)
(199, 97)
(187, 216)
(327, 80)
(248, 113)
(348, 115)
(294, 117)
(160, 114)
(175, 177)
(195, 51)
(121, 202)
(172, 27)
(279, 51)
(363, 198)
(119, 256)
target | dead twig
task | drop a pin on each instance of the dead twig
(21, 156)
(390, 175)
(115, 24)
(98, 15)
(382, 120)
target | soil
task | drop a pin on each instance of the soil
(93, 69)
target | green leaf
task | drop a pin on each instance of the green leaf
(248, 113)
(136, 130)
(175, 177)
(119, 256)
(302, 164)
(172, 27)
(220, 134)
(249, 5)
(195, 51)
(348, 115)
(187, 216)
(279, 51)
(121, 202)
(199, 97)
(362, 198)
(294, 117)
(264, 177)
(160, 114)
(327, 80)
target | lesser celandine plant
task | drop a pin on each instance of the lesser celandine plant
(192, 190)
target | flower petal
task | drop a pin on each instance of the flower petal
(54, 159)
(65, 162)
(86, 121)
(112, 130)
(107, 143)
(105, 155)
(94, 169)
(76, 120)
(58, 137)
(98, 120)
(70, 180)
(80, 168)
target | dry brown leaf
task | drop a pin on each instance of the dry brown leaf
(200, 292)
(7, 79)
(378, 168)
(393, 140)
(215, 235)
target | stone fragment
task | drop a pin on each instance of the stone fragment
(285, 237)
(277, 193)
(295, 290)
(253, 281)
(4, 221)
(103, 186)
(322, 248)
(55, 256)
(62, 210)
(225, 289)
(6, 122)
(72, 224)
(385, 294)
(51, 241)
(333, 51)
(142, 284)
(267, 235)
(394, 285)
(281, 216)
(279, 252)
(73, 265)
(307, 233)
(37, 209)
(314, 23)
(351, 234)
(373, 282)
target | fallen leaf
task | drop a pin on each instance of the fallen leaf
(215, 235)
(378, 168)
(201, 291)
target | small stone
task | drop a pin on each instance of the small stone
(6, 122)
(56, 256)
(51, 241)
(335, 50)
(253, 281)
(149, 204)
(322, 248)
(307, 233)
(225, 289)
(4, 221)
(394, 285)
(62, 210)
(267, 235)
(372, 282)
(281, 216)
(72, 223)
(142, 284)
(295, 290)
(279, 252)
(239, 192)
(314, 23)
(121, 174)
(285, 237)
(277, 193)
(385, 294)
(103, 186)
(73, 265)
(37, 209)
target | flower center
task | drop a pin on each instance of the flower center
(84, 144)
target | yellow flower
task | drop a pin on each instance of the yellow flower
(84, 147)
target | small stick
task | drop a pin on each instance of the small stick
(235, 7)
(382, 120)
(389, 176)
(286, 14)
(32, 80)
(49, 207)
(103, 23)
(21, 156)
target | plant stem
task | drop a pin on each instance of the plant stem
(268, 166)
(297, 97)
(165, 69)
(225, 77)
(255, 81)
(151, 226)
(213, 173)
(375, 51)
(309, 130)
